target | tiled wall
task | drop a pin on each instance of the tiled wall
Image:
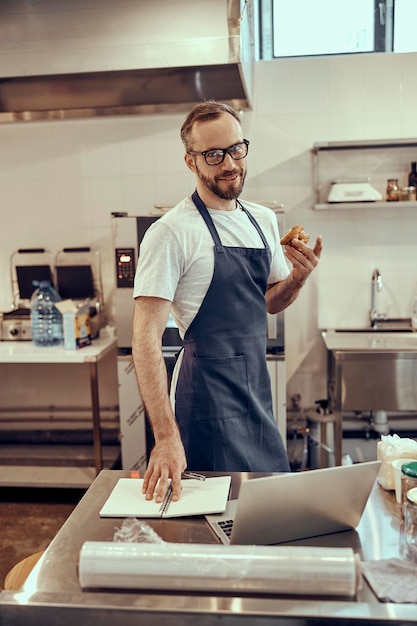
(60, 181)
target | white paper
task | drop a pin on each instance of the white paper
(198, 497)
(291, 570)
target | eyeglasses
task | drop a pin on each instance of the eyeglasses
(215, 156)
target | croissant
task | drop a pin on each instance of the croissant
(296, 232)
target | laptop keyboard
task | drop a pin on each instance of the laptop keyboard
(226, 526)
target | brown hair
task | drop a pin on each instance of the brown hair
(204, 112)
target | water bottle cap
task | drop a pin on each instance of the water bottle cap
(410, 469)
(41, 283)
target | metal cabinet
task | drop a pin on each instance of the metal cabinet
(370, 381)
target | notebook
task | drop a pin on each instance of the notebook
(286, 507)
(197, 498)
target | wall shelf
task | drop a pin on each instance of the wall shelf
(366, 144)
(362, 205)
(387, 165)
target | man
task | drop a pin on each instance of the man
(220, 266)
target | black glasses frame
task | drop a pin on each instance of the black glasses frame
(225, 151)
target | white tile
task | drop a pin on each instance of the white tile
(346, 76)
(271, 141)
(105, 196)
(309, 128)
(169, 153)
(137, 155)
(408, 120)
(311, 85)
(409, 86)
(102, 158)
(169, 189)
(273, 87)
(383, 123)
(346, 125)
(138, 194)
(383, 82)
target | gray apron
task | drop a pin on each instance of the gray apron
(223, 401)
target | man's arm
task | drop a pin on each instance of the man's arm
(304, 259)
(167, 459)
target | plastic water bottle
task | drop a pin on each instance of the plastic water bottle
(46, 320)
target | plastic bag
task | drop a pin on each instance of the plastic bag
(392, 447)
(136, 531)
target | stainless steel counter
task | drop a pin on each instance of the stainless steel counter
(368, 340)
(52, 593)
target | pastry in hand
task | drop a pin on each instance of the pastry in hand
(296, 232)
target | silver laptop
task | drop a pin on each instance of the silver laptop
(286, 507)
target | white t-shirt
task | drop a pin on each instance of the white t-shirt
(176, 260)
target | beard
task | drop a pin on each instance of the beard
(230, 192)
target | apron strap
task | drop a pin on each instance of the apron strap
(206, 217)
(255, 223)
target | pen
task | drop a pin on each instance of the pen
(166, 501)
(194, 475)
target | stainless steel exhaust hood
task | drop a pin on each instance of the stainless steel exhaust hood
(63, 59)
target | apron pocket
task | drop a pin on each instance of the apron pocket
(220, 388)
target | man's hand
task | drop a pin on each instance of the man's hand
(167, 460)
(303, 258)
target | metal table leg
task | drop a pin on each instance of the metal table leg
(95, 406)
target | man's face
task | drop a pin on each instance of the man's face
(226, 179)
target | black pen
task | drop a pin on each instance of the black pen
(166, 501)
(194, 475)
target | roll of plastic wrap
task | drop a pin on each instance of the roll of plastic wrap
(289, 570)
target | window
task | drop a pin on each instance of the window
(404, 34)
(291, 28)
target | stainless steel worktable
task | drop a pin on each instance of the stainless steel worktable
(26, 352)
(52, 594)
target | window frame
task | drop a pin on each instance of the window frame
(383, 30)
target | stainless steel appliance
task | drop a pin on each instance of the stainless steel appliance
(128, 232)
(26, 265)
(78, 278)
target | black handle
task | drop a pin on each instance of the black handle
(30, 250)
(85, 249)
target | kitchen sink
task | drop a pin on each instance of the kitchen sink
(385, 329)
(390, 325)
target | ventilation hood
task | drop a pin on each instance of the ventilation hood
(63, 59)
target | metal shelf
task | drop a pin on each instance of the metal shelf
(360, 205)
(376, 144)
(358, 145)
